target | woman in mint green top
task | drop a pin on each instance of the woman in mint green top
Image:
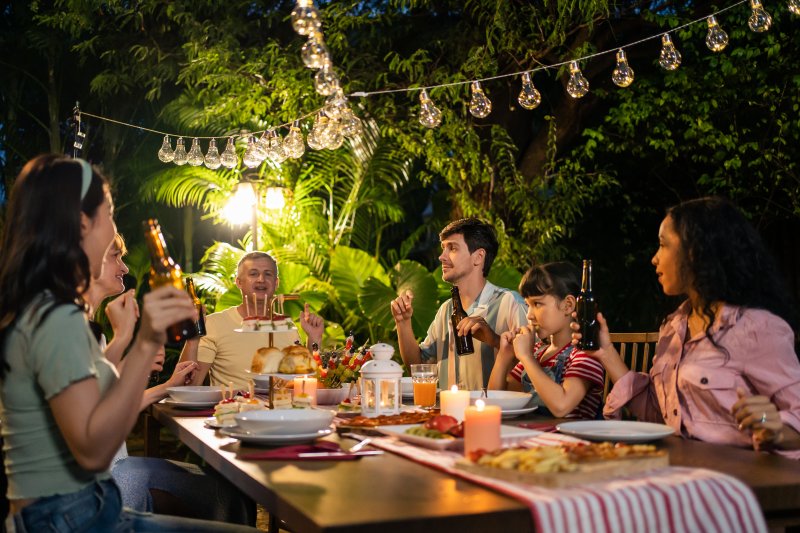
(64, 410)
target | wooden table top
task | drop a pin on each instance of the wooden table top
(400, 495)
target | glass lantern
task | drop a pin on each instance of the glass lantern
(380, 383)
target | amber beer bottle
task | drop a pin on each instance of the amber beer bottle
(587, 311)
(201, 317)
(463, 342)
(165, 271)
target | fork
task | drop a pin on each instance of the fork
(359, 445)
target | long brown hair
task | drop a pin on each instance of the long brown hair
(40, 249)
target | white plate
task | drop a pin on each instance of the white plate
(265, 377)
(253, 438)
(188, 405)
(211, 422)
(513, 413)
(509, 436)
(616, 430)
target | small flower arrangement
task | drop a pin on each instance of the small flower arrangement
(337, 367)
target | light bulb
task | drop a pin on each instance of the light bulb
(293, 144)
(195, 156)
(529, 97)
(276, 152)
(479, 105)
(314, 52)
(250, 157)
(335, 105)
(274, 198)
(305, 18)
(351, 125)
(759, 20)
(429, 114)
(326, 81)
(313, 141)
(335, 137)
(623, 73)
(212, 159)
(180, 157)
(166, 153)
(670, 58)
(794, 6)
(229, 159)
(262, 145)
(717, 39)
(577, 85)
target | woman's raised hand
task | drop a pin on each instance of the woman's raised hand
(161, 308)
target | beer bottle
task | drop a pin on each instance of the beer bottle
(201, 317)
(463, 342)
(586, 311)
(165, 271)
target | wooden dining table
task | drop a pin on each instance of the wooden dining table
(391, 493)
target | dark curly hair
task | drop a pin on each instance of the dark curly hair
(477, 234)
(559, 279)
(725, 260)
(41, 248)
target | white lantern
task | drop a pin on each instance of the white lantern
(380, 383)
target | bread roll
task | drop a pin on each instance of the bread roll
(266, 360)
(297, 360)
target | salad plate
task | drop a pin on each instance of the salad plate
(509, 436)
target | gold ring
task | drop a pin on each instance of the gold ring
(763, 417)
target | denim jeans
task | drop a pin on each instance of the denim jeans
(98, 508)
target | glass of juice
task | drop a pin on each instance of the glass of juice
(424, 377)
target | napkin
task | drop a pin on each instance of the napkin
(547, 428)
(192, 412)
(292, 453)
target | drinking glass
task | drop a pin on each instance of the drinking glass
(424, 377)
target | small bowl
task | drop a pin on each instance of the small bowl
(333, 396)
(506, 399)
(200, 393)
(285, 421)
(406, 386)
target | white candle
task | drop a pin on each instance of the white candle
(481, 428)
(306, 385)
(454, 402)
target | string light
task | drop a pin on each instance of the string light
(479, 105)
(305, 18)
(166, 154)
(794, 6)
(669, 58)
(759, 20)
(195, 157)
(716, 39)
(577, 85)
(212, 159)
(180, 158)
(529, 97)
(623, 73)
(229, 159)
(429, 114)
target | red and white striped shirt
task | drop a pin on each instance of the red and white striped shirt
(577, 365)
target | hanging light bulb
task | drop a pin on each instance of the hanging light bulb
(250, 158)
(794, 6)
(669, 58)
(212, 159)
(166, 153)
(429, 114)
(716, 39)
(623, 73)
(314, 52)
(229, 159)
(314, 139)
(529, 97)
(335, 138)
(577, 85)
(180, 157)
(759, 20)
(293, 144)
(335, 105)
(261, 147)
(326, 81)
(276, 152)
(195, 156)
(479, 105)
(305, 18)
(351, 124)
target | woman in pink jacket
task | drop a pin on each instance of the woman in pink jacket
(725, 369)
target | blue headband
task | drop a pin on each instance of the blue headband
(86, 176)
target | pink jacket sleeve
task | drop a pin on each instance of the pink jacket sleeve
(635, 391)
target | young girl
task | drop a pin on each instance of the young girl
(65, 411)
(567, 382)
(725, 369)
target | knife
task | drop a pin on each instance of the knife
(339, 454)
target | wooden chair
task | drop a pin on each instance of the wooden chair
(634, 349)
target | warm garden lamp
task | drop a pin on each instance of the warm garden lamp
(239, 209)
(380, 383)
(274, 198)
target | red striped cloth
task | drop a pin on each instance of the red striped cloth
(665, 500)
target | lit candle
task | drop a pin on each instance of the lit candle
(481, 428)
(454, 402)
(306, 385)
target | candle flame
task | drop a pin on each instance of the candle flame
(454, 388)
(480, 404)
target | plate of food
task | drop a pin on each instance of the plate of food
(616, 430)
(412, 416)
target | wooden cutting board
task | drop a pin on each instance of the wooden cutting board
(589, 472)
